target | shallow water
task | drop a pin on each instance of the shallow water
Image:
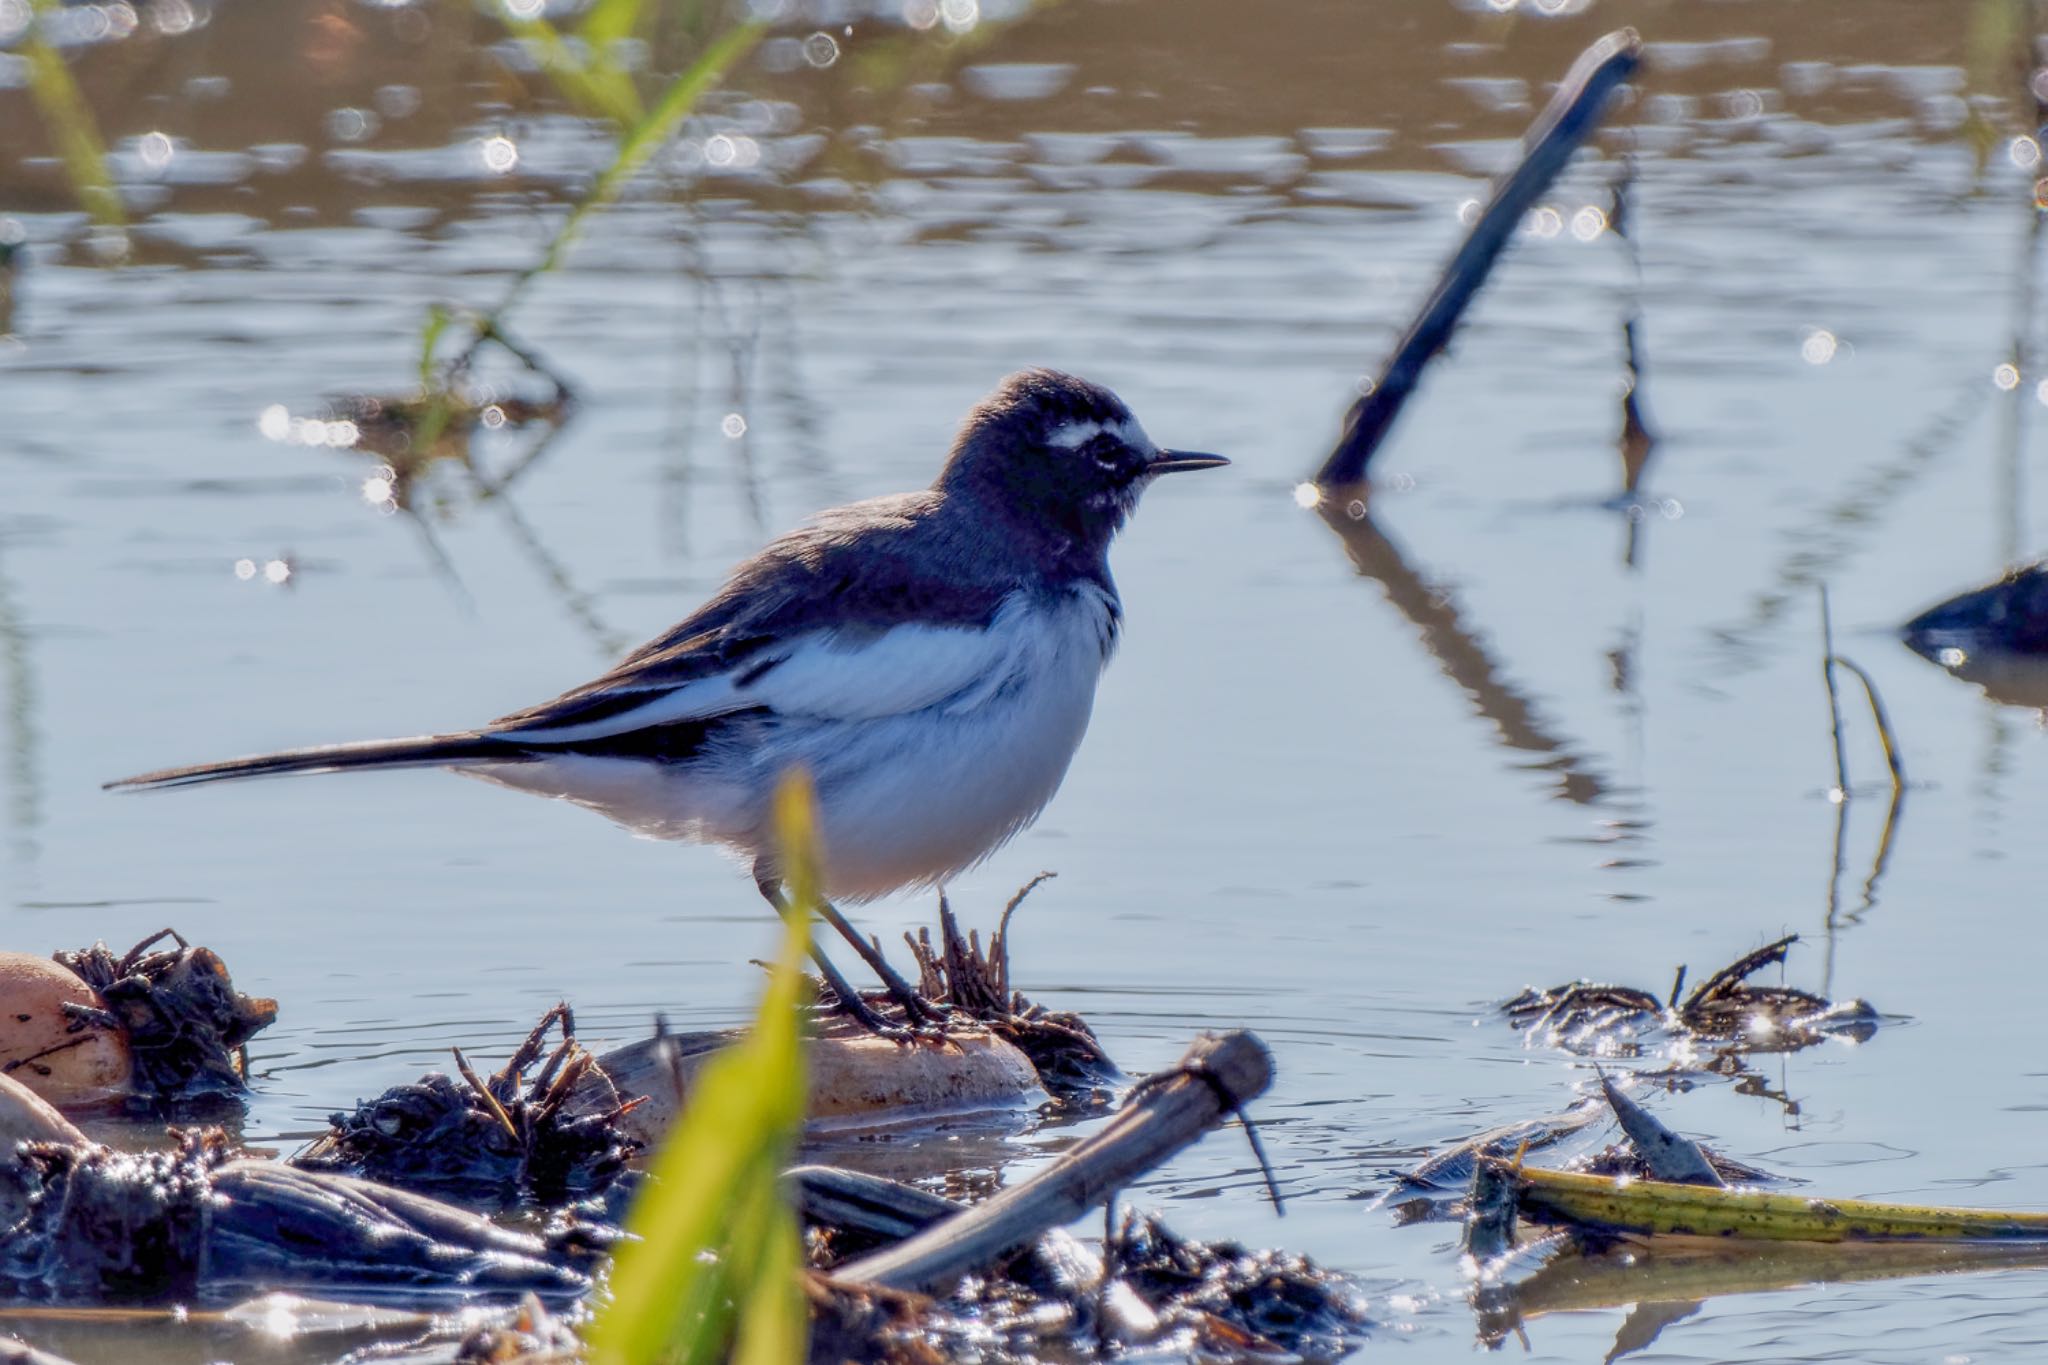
(1347, 812)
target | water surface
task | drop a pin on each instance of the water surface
(1345, 810)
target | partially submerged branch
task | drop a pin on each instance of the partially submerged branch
(1572, 115)
(1219, 1074)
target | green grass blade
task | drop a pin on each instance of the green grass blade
(592, 82)
(712, 1275)
(607, 21)
(642, 139)
(71, 123)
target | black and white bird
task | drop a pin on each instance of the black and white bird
(930, 658)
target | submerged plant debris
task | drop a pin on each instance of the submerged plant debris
(956, 972)
(415, 433)
(1153, 1296)
(1727, 1010)
(511, 1139)
(87, 1224)
(176, 1010)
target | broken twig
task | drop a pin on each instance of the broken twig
(1219, 1075)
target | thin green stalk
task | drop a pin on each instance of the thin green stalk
(644, 137)
(593, 82)
(71, 123)
(713, 1274)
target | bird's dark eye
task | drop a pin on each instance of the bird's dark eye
(1107, 451)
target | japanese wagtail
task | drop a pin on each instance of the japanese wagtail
(930, 658)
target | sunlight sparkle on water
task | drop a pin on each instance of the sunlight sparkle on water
(1588, 223)
(499, 154)
(1951, 657)
(1307, 495)
(245, 569)
(156, 150)
(380, 490)
(276, 422)
(733, 425)
(2025, 153)
(173, 17)
(960, 16)
(1545, 222)
(821, 49)
(920, 14)
(1819, 347)
(2006, 377)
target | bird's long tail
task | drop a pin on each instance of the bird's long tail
(421, 751)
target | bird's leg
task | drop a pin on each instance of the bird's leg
(915, 1007)
(850, 1002)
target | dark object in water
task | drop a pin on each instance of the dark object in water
(1727, 1008)
(185, 1023)
(1261, 1300)
(1070, 1061)
(1995, 636)
(2009, 616)
(91, 1225)
(491, 1143)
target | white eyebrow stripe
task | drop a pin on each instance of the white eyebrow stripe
(1076, 434)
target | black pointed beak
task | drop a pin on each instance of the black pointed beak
(1173, 461)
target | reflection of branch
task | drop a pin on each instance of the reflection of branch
(1463, 657)
(438, 559)
(1645, 1270)
(1568, 120)
(579, 603)
(1841, 793)
(1825, 539)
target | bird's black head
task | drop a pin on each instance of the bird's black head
(1060, 458)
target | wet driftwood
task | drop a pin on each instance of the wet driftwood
(1166, 1113)
(857, 1080)
(86, 1224)
(1045, 1294)
(26, 1116)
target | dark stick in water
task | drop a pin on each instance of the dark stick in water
(1568, 120)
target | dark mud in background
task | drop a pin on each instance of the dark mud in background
(1289, 816)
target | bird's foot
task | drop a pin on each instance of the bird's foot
(926, 1016)
(867, 1018)
(877, 1014)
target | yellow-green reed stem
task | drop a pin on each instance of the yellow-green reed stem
(714, 1273)
(71, 123)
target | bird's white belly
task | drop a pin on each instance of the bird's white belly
(904, 800)
(914, 799)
